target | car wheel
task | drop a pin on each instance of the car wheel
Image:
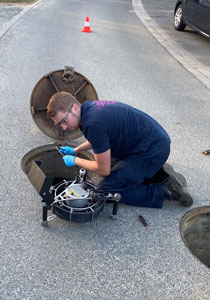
(178, 19)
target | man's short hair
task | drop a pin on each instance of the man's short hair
(60, 101)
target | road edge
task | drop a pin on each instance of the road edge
(16, 18)
(189, 62)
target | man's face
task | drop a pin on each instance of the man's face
(69, 120)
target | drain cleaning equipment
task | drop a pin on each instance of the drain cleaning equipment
(75, 200)
(64, 191)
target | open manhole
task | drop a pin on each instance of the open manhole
(52, 164)
(195, 232)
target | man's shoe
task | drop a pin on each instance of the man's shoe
(173, 190)
(179, 177)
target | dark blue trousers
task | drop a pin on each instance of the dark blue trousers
(137, 179)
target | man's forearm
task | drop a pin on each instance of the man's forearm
(83, 147)
(90, 165)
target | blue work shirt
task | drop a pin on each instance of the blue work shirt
(121, 128)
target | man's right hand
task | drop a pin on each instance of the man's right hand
(67, 150)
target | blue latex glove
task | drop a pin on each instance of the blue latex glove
(67, 150)
(69, 160)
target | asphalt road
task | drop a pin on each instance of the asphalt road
(108, 258)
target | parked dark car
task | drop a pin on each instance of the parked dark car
(194, 13)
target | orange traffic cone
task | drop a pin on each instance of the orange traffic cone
(87, 26)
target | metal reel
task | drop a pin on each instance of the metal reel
(65, 207)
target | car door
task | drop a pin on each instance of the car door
(198, 14)
(202, 18)
(190, 11)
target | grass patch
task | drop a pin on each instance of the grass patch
(17, 1)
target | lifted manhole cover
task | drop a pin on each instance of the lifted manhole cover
(195, 232)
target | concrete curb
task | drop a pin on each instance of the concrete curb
(16, 18)
(189, 62)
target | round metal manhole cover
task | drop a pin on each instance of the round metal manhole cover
(66, 80)
(195, 232)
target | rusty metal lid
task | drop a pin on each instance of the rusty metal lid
(66, 80)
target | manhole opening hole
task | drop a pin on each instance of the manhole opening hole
(52, 163)
(195, 231)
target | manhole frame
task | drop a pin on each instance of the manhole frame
(200, 210)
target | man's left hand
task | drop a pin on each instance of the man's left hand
(69, 160)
